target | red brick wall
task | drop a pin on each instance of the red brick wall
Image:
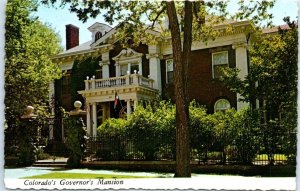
(72, 36)
(202, 87)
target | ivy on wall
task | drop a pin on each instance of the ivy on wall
(81, 69)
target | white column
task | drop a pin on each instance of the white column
(154, 66)
(86, 82)
(128, 108)
(105, 70)
(93, 82)
(140, 67)
(94, 106)
(88, 119)
(129, 67)
(117, 69)
(241, 64)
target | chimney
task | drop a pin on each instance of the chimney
(72, 36)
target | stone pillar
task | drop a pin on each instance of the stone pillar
(140, 68)
(86, 82)
(117, 65)
(93, 83)
(88, 119)
(129, 68)
(154, 66)
(105, 70)
(241, 64)
(94, 107)
(128, 107)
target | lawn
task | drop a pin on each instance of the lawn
(63, 175)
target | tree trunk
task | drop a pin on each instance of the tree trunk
(180, 59)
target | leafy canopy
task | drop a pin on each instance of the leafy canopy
(29, 45)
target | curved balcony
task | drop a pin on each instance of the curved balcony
(132, 79)
(132, 86)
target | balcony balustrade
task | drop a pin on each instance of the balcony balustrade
(131, 79)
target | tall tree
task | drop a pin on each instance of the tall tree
(191, 16)
(29, 44)
(273, 68)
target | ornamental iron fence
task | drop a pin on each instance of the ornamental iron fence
(252, 148)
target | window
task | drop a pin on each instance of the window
(134, 67)
(98, 35)
(222, 105)
(169, 71)
(219, 59)
(66, 84)
(123, 69)
(99, 73)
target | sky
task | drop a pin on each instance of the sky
(59, 17)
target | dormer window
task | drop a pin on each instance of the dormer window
(98, 35)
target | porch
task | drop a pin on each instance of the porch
(100, 95)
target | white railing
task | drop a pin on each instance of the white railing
(132, 79)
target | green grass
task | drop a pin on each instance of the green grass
(264, 157)
(63, 175)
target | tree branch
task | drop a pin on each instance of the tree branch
(158, 14)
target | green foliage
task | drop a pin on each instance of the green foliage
(272, 77)
(201, 129)
(111, 133)
(26, 148)
(41, 155)
(236, 136)
(75, 140)
(113, 127)
(145, 132)
(80, 70)
(29, 45)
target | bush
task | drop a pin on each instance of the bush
(113, 127)
(75, 140)
(43, 156)
(104, 155)
(135, 155)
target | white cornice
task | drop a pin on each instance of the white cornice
(99, 49)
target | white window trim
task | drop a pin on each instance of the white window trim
(212, 61)
(129, 67)
(219, 100)
(167, 69)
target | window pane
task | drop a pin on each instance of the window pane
(220, 58)
(124, 69)
(134, 67)
(99, 74)
(170, 77)
(169, 65)
(222, 105)
(66, 84)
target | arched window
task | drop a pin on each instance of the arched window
(222, 105)
(98, 35)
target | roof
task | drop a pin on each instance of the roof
(274, 29)
(90, 44)
(81, 47)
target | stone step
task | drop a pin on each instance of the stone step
(44, 164)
